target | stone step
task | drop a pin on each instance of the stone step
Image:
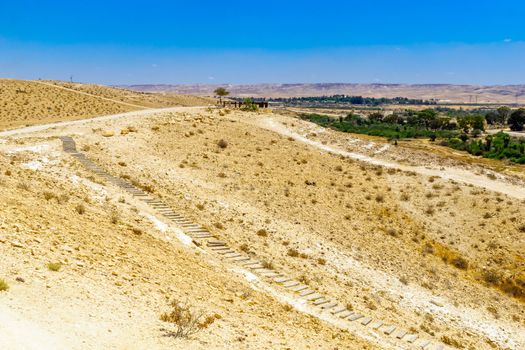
(344, 314)
(220, 248)
(376, 325)
(202, 236)
(256, 267)
(320, 301)
(388, 329)
(365, 321)
(235, 255)
(424, 343)
(290, 284)
(226, 252)
(212, 244)
(313, 297)
(272, 274)
(299, 288)
(329, 306)
(240, 259)
(410, 338)
(355, 317)
(282, 279)
(305, 293)
(337, 310)
(400, 333)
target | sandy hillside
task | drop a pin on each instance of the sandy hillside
(430, 245)
(34, 102)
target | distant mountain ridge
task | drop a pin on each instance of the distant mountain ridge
(442, 92)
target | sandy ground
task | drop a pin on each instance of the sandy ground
(380, 228)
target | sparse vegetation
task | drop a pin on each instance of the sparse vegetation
(293, 253)
(185, 321)
(80, 208)
(54, 266)
(3, 285)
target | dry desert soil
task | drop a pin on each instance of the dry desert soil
(413, 245)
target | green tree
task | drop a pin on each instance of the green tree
(426, 117)
(517, 120)
(503, 115)
(375, 117)
(492, 118)
(221, 92)
(248, 105)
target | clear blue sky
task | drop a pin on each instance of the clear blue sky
(127, 42)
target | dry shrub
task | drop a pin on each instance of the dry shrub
(48, 195)
(114, 218)
(321, 261)
(451, 341)
(267, 265)
(262, 233)
(380, 198)
(460, 263)
(137, 231)
(186, 322)
(430, 211)
(222, 143)
(54, 266)
(80, 208)
(23, 186)
(3, 285)
(293, 253)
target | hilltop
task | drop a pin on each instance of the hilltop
(443, 92)
(25, 102)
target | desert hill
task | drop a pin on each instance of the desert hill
(280, 234)
(443, 92)
(24, 102)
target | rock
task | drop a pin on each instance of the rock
(437, 303)
(17, 244)
(68, 249)
(108, 133)
(20, 279)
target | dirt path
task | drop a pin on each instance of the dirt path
(449, 173)
(42, 127)
(88, 94)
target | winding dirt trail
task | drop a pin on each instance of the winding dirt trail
(448, 173)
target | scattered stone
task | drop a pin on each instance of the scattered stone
(437, 303)
(17, 244)
(20, 279)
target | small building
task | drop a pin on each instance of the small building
(239, 104)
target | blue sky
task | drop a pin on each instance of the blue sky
(133, 42)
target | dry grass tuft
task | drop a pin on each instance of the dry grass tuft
(56, 266)
(3, 285)
(186, 322)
